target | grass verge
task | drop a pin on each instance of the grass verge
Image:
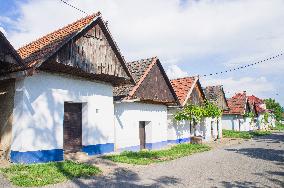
(47, 173)
(279, 127)
(244, 134)
(147, 157)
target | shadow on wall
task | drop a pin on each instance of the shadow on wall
(47, 130)
(121, 177)
(181, 127)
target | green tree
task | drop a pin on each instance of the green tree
(276, 108)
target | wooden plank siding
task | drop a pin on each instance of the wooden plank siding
(155, 88)
(10, 61)
(7, 93)
(92, 54)
(196, 96)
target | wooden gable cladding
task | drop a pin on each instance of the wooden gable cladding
(155, 87)
(216, 95)
(92, 54)
(9, 59)
(84, 48)
(196, 96)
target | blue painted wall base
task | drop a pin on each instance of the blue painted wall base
(179, 141)
(156, 145)
(41, 156)
(98, 149)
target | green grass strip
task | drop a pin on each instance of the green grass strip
(244, 134)
(47, 173)
(147, 157)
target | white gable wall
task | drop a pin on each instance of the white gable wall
(127, 117)
(39, 111)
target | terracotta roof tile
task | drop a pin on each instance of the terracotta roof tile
(237, 104)
(182, 87)
(138, 70)
(259, 103)
(37, 50)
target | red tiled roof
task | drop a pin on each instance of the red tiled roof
(259, 103)
(237, 104)
(182, 87)
(40, 49)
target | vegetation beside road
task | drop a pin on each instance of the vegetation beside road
(244, 134)
(279, 127)
(47, 173)
(147, 157)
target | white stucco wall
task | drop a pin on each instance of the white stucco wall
(180, 130)
(177, 130)
(205, 129)
(247, 126)
(39, 111)
(230, 122)
(220, 127)
(127, 117)
(237, 123)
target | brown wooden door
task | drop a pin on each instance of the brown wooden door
(142, 134)
(72, 127)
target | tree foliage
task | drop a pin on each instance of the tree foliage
(275, 107)
(195, 113)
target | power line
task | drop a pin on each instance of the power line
(244, 66)
(74, 7)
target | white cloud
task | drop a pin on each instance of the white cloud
(257, 86)
(174, 71)
(236, 32)
(164, 28)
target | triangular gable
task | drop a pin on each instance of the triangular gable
(216, 95)
(152, 84)
(84, 48)
(10, 61)
(188, 90)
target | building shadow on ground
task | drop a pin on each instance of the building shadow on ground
(268, 154)
(121, 177)
(273, 155)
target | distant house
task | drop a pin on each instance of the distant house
(10, 64)
(189, 91)
(260, 109)
(235, 118)
(216, 95)
(65, 102)
(141, 108)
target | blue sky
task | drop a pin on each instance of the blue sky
(190, 37)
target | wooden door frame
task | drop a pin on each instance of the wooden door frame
(81, 137)
(142, 140)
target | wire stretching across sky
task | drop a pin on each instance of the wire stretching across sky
(205, 75)
(243, 67)
(65, 2)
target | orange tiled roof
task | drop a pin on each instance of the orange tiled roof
(237, 104)
(43, 47)
(253, 100)
(182, 87)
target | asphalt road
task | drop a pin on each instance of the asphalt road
(254, 163)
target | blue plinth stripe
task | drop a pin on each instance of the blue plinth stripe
(41, 156)
(98, 149)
